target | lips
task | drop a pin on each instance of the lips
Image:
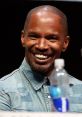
(40, 56)
(42, 59)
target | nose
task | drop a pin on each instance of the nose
(42, 44)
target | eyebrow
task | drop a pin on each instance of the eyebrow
(34, 33)
(38, 33)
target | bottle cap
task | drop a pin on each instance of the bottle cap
(59, 63)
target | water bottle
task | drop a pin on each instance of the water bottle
(59, 86)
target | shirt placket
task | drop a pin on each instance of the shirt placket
(47, 98)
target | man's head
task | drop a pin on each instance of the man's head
(44, 37)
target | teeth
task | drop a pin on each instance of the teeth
(40, 56)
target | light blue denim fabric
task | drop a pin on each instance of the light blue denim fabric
(19, 91)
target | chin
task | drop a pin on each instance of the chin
(43, 69)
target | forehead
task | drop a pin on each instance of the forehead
(45, 14)
(45, 18)
(45, 23)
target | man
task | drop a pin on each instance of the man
(45, 37)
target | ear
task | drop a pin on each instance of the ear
(23, 38)
(66, 43)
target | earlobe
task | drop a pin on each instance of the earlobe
(63, 49)
(66, 43)
(22, 38)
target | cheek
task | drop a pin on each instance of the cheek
(29, 43)
(57, 46)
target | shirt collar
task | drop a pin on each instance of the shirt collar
(31, 75)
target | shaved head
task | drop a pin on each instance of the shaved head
(46, 9)
(45, 37)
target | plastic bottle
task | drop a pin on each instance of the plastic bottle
(59, 86)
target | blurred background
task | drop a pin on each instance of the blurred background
(12, 17)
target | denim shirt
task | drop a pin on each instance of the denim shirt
(19, 91)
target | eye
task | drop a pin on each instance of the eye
(33, 36)
(52, 38)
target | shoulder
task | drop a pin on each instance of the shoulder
(73, 80)
(9, 76)
(10, 79)
(75, 86)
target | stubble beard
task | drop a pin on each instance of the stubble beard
(42, 69)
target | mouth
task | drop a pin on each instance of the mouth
(40, 58)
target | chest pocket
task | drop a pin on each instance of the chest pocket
(24, 100)
(75, 103)
(75, 98)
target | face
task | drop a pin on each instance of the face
(44, 40)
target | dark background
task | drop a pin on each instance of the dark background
(12, 17)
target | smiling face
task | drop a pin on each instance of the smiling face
(44, 39)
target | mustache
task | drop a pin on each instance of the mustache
(43, 52)
(46, 53)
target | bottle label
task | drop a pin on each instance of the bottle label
(60, 103)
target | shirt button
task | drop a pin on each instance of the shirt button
(49, 96)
